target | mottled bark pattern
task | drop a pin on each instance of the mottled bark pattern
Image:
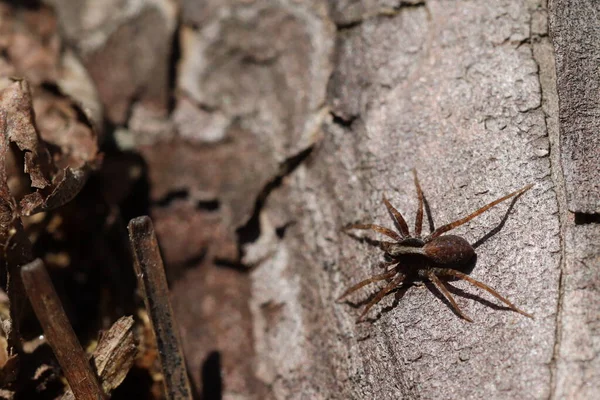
(279, 122)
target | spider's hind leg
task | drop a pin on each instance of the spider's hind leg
(456, 274)
(446, 293)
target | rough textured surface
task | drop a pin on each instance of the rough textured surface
(132, 80)
(578, 366)
(251, 84)
(576, 361)
(453, 89)
(576, 36)
(348, 12)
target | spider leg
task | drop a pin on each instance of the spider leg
(442, 288)
(397, 217)
(452, 225)
(460, 275)
(388, 288)
(384, 231)
(419, 219)
(375, 278)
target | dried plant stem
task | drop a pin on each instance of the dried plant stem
(59, 333)
(151, 277)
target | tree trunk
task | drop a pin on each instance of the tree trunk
(291, 119)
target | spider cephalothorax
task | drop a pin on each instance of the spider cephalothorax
(437, 255)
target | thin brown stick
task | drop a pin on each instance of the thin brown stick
(59, 333)
(388, 288)
(376, 278)
(377, 228)
(457, 223)
(442, 288)
(419, 218)
(397, 217)
(460, 275)
(151, 278)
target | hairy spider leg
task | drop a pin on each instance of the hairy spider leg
(456, 274)
(384, 231)
(388, 288)
(457, 223)
(374, 278)
(442, 288)
(419, 218)
(399, 221)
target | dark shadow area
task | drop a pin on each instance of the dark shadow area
(28, 4)
(281, 230)
(212, 381)
(345, 123)
(250, 231)
(458, 291)
(498, 227)
(231, 264)
(399, 293)
(137, 385)
(381, 244)
(428, 213)
(85, 247)
(208, 205)
(47, 381)
(434, 290)
(174, 58)
(587, 218)
(171, 196)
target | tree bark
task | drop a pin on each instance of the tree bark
(291, 119)
(453, 89)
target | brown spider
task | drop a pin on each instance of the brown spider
(415, 258)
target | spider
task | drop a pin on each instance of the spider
(416, 258)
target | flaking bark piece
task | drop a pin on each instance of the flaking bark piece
(66, 185)
(113, 356)
(7, 203)
(15, 100)
(68, 127)
(58, 178)
(115, 353)
(16, 245)
(9, 363)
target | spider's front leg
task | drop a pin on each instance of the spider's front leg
(376, 278)
(377, 228)
(388, 288)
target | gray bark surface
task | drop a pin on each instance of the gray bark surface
(576, 36)
(453, 89)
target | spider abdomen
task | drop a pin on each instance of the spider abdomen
(449, 249)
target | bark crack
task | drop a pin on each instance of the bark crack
(543, 55)
(250, 231)
(386, 12)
